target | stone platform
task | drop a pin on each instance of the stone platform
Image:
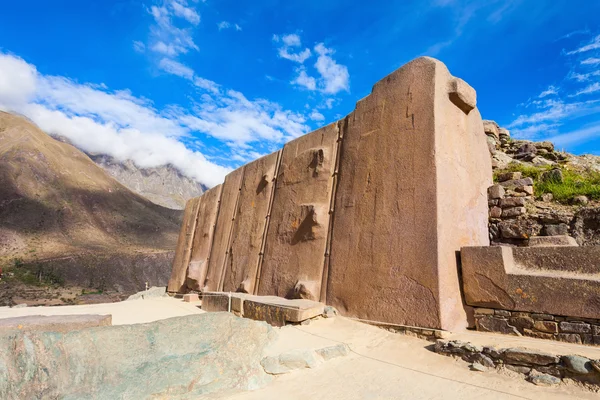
(274, 310)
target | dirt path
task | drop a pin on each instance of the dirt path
(384, 365)
(123, 313)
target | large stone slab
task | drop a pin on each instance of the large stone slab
(297, 235)
(222, 235)
(549, 280)
(184, 247)
(414, 171)
(241, 266)
(54, 323)
(177, 358)
(203, 238)
(276, 311)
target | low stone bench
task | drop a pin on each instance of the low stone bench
(276, 311)
(55, 323)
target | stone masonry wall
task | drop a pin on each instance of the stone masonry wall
(540, 326)
(517, 213)
(366, 214)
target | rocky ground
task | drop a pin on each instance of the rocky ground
(541, 191)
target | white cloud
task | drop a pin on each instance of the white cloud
(181, 10)
(17, 81)
(591, 61)
(548, 92)
(165, 37)
(317, 116)
(206, 84)
(176, 68)
(226, 25)
(128, 127)
(139, 46)
(592, 45)
(335, 77)
(304, 80)
(594, 87)
(289, 43)
(97, 120)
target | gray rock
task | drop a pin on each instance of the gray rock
(556, 230)
(509, 176)
(554, 175)
(539, 161)
(514, 183)
(581, 200)
(526, 152)
(495, 212)
(496, 192)
(518, 368)
(544, 380)
(575, 327)
(548, 146)
(478, 367)
(290, 361)
(493, 324)
(512, 202)
(547, 197)
(519, 356)
(329, 312)
(338, 350)
(182, 357)
(513, 212)
(577, 364)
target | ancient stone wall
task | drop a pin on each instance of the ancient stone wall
(366, 214)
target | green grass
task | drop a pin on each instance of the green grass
(574, 183)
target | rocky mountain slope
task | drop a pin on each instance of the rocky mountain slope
(57, 204)
(164, 185)
(541, 193)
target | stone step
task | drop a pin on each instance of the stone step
(276, 311)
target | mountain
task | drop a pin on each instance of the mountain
(164, 185)
(57, 204)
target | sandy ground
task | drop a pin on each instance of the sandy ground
(385, 365)
(381, 365)
(123, 313)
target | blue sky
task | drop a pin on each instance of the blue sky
(210, 85)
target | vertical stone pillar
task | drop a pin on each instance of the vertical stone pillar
(411, 191)
(227, 208)
(241, 265)
(203, 238)
(184, 247)
(297, 235)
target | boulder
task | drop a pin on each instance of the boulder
(554, 175)
(526, 152)
(163, 359)
(491, 129)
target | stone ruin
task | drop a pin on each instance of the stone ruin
(366, 214)
(384, 216)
